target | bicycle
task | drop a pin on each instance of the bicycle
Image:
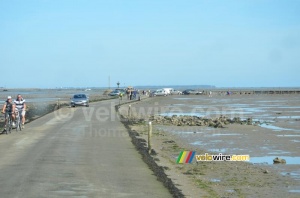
(9, 125)
(18, 121)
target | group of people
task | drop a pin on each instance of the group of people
(10, 108)
(146, 92)
(131, 94)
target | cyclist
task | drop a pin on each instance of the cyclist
(8, 109)
(21, 106)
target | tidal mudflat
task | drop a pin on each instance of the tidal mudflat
(275, 134)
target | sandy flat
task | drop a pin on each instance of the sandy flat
(277, 135)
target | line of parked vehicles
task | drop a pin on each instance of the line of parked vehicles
(165, 92)
(171, 91)
(158, 92)
(83, 99)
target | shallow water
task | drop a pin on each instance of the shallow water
(275, 128)
(215, 180)
(223, 150)
(288, 117)
(288, 135)
(294, 191)
(293, 174)
(277, 135)
(224, 134)
(182, 114)
(269, 159)
(46, 95)
(295, 140)
(279, 152)
(197, 143)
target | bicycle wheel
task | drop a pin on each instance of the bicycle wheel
(19, 125)
(6, 128)
(9, 124)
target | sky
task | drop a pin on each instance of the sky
(89, 43)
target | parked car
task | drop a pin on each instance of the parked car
(191, 91)
(160, 92)
(79, 100)
(176, 92)
(116, 92)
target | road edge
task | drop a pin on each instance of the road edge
(147, 158)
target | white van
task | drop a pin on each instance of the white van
(168, 90)
(160, 92)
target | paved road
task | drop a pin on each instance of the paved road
(75, 152)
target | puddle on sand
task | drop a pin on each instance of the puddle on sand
(294, 191)
(182, 114)
(269, 159)
(253, 109)
(291, 174)
(187, 132)
(215, 141)
(272, 101)
(207, 114)
(215, 180)
(230, 191)
(278, 152)
(288, 117)
(201, 143)
(184, 98)
(275, 128)
(295, 141)
(289, 107)
(224, 134)
(177, 105)
(197, 143)
(288, 136)
(217, 150)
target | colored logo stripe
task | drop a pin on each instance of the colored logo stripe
(186, 157)
(182, 157)
(190, 157)
(179, 157)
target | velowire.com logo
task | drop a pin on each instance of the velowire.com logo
(186, 157)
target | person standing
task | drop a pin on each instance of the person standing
(21, 106)
(128, 94)
(121, 96)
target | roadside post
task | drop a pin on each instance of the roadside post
(58, 104)
(129, 111)
(149, 137)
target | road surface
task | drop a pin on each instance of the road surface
(75, 152)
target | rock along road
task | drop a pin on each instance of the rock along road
(75, 152)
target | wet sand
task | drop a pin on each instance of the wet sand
(278, 135)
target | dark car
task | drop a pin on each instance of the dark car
(191, 91)
(80, 100)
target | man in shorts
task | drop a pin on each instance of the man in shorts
(8, 109)
(21, 106)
